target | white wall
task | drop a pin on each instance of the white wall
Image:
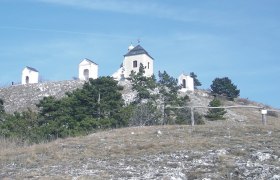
(33, 76)
(91, 67)
(142, 58)
(118, 74)
(189, 82)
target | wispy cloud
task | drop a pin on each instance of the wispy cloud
(43, 30)
(57, 31)
(143, 7)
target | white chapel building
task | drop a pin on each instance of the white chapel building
(88, 69)
(29, 75)
(186, 82)
(132, 60)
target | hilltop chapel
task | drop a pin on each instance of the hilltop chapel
(132, 60)
(138, 55)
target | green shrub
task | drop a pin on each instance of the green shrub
(217, 113)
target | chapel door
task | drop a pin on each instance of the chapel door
(27, 80)
(86, 74)
(184, 83)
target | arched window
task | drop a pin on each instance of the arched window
(184, 83)
(86, 74)
(27, 80)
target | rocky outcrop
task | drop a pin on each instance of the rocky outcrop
(21, 97)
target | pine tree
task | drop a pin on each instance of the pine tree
(195, 80)
(217, 113)
(224, 86)
(98, 104)
(168, 90)
(142, 84)
(99, 99)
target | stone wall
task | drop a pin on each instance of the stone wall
(21, 97)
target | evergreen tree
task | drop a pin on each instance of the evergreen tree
(2, 110)
(168, 90)
(48, 108)
(217, 113)
(103, 99)
(98, 104)
(20, 126)
(195, 80)
(142, 84)
(224, 86)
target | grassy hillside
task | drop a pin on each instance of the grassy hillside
(239, 147)
(230, 149)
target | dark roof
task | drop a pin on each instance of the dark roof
(32, 69)
(137, 51)
(90, 61)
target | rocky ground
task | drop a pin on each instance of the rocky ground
(20, 97)
(240, 147)
(223, 150)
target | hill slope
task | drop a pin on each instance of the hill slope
(221, 150)
(20, 97)
(239, 147)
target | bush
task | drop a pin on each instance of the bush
(2, 110)
(217, 113)
(145, 114)
(184, 117)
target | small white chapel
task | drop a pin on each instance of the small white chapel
(88, 69)
(29, 75)
(186, 82)
(132, 60)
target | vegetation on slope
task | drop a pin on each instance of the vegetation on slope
(99, 105)
(215, 114)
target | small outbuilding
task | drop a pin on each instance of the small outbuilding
(186, 82)
(88, 69)
(29, 75)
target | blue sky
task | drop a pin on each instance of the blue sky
(214, 38)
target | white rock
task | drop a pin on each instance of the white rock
(221, 152)
(159, 132)
(275, 177)
(262, 156)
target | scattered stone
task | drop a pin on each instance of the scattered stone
(159, 132)
(275, 177)
(21, 97)
(261, 156)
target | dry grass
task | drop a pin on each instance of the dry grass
(103, 155)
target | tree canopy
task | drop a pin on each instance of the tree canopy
(142, 84)
(224, 86)
(195, 80)
(99, 105)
